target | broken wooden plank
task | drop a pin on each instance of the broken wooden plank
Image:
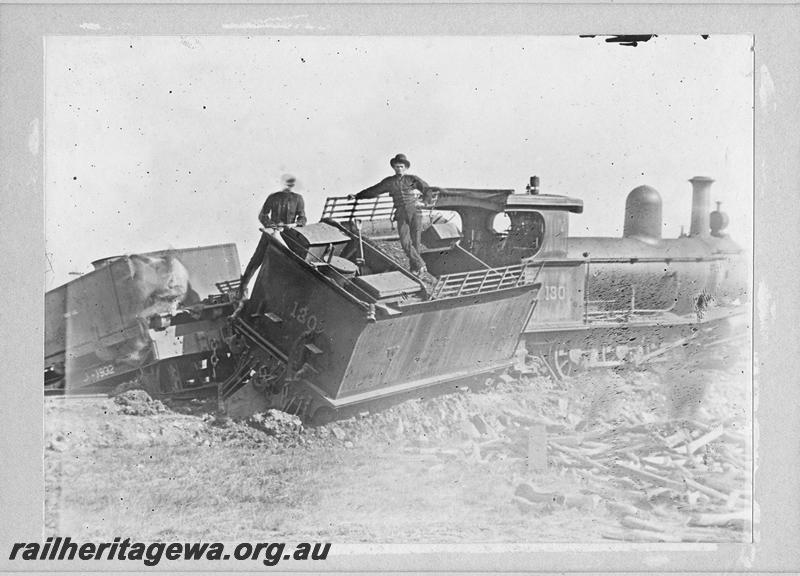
(633, 535)
(654, 478)
(577, 454)
(737, 518)
(642, 524)
(705, 489)
(695, 445)
(700, 535)
(724, 483)
(674, 440)
(735, 438)
(623, 508)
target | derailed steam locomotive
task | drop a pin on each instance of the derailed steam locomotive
(334, 322)
(606, 301)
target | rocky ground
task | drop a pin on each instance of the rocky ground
(605, 455)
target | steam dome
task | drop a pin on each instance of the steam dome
(643, 214)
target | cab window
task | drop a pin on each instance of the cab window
(525, 233)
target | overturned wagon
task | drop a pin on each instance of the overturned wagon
(333, 322)
(159, 318)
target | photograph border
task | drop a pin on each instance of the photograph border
(775, 27)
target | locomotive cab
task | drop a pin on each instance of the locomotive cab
(538, 223)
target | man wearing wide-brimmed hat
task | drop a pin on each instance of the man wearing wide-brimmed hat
(403, 189)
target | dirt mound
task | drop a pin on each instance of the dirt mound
(139, 403)
(276, 423)
(273, 430)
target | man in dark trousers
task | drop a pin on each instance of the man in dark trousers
(402, 187)
(282, 209)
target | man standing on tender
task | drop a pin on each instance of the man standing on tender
(403, 189)
(281, 209)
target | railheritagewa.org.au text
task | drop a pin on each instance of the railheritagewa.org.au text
(268, 553)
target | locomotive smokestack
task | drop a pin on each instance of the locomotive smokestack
(701, 201)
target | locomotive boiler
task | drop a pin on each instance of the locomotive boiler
(685, 274)
(606, 301)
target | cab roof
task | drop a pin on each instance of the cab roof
(506, 200)
(525, 202)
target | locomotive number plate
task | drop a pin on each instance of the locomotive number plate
(554, 292)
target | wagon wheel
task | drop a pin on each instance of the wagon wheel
(537, 364)
(323, 415)
(559, 360)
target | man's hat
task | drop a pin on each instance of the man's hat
(286, 178)
(400, 159)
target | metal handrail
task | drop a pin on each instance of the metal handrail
(342, 208)
(479, 281)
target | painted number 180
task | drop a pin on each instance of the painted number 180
(554, 292)
(300, 313)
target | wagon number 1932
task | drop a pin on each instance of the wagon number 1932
(554, 292)
(92, 376)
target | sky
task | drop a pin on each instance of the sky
(171, 142)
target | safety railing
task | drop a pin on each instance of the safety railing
(228, 286)
(341, 208)
(479, 281)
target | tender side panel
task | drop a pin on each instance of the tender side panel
(469, 334)
(308, 319)
(561, 295)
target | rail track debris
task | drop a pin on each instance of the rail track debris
(611, 434)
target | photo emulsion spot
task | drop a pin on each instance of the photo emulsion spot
(398, 289)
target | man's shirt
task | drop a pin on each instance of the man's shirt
(402, 190)
(284, 207)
